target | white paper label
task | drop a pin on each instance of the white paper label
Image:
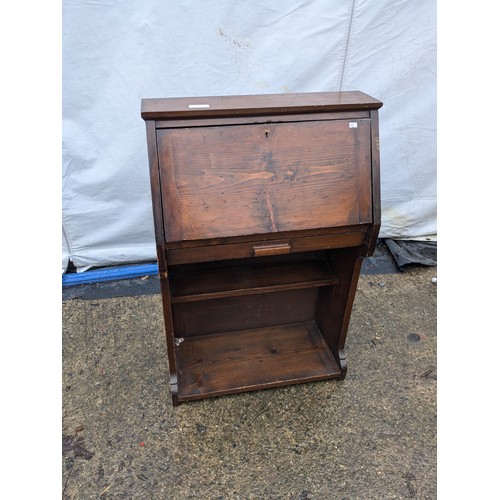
(353, 124)
(199, 106)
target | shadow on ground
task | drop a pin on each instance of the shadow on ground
(370, 436)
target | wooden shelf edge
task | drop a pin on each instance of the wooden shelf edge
(238, 390)
(253, 290)
(252, 278)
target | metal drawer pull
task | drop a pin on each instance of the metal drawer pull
(276, 249)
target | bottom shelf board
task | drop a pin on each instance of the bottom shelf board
(245, 360)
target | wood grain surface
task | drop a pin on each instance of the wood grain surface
(227, 281)
(264, 207)
(243, 360)
(241, 105)
(242, 312)
(231, 181)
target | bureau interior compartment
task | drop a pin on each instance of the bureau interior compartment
(251, 323)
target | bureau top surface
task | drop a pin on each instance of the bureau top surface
(240, 105)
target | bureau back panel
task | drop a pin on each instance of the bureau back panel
(224, 181)
(244, 312)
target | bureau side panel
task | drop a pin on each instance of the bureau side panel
(154, 176)
(375, 164)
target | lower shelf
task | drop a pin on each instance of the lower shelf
(231, 362)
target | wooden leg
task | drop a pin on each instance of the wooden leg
(335, 304)
(167, 316)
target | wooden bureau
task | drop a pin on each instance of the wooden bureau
(264, 207)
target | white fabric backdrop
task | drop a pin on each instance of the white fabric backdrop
(116, 53)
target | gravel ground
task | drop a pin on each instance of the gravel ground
(372, 435)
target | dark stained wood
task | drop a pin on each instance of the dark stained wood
(255, 277)
(154, 177)
(241, 312)
(239, 361)
(335, 304)
(243, 250)
(308, 233)
(170, 200)
(375, 160)
(264, 207)
(315, 102)
(293, 259)
(169, 332)
(162, 264)
(241, 120)
(259, 172)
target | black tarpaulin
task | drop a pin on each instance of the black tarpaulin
(407, 252)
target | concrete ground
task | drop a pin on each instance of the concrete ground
(372, 436)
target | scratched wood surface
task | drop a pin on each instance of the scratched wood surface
(266, 178)
(243, 360)
(242, 312)
(230, 281)
(267, 104)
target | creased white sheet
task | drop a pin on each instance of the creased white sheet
(115, 53)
